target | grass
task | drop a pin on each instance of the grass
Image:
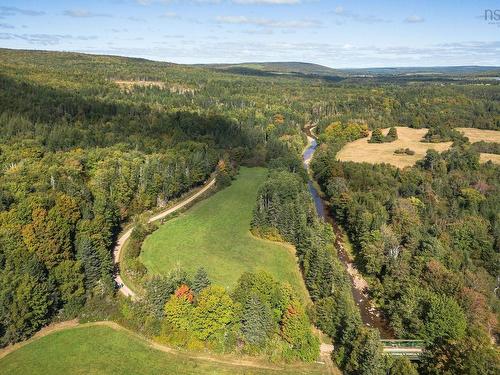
(477, 135)
(102, 350)
(215, 234)
(362, 151)
(494, 158)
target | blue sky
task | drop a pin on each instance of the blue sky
(338, 34)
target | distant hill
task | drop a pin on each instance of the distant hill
(277, 68)
(432, 70)
(300, 69)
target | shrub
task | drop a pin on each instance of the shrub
(404, 151)
(377, 137)
(392, 135)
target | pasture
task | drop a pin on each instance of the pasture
(109, 350)
(361, 151)
(215, 234)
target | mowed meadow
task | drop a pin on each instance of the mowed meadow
(215, 234)
(478, 135)
(374, 153)
(105, 350)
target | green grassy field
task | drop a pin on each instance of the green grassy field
(101, 350)
(215, 234)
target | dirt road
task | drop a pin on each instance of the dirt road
(124, 289)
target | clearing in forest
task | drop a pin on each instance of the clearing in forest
(477, 135)
(215, 234)
(129, 85)
(374, 153)
(103, 350)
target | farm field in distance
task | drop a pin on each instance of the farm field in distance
(102, 350)
(362, 151)
(477, 135)
(215, 234)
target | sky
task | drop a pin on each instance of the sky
(338, 34)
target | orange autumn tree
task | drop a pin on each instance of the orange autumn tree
(184, 292)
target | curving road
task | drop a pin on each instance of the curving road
(124, 289)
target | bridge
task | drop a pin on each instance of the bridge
(409, 348)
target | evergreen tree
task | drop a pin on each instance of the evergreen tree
(257, 322)
(392, 135)
(90, 261)
(201, 280)
(377, 137)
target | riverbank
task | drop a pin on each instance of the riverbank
(370, 315)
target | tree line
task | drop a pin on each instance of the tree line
(426, 238)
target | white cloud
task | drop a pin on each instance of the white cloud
(341, 12)
(414, 19)
(46, 39)
(12, 11)
(82, 13)
(266, 22)
(170, 15)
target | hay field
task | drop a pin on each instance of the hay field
(374, 153)
(494, 158)
(476, 135)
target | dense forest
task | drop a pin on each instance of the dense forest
(88, 142)
(427, 238)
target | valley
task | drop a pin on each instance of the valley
(180, 219)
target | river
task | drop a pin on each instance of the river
(370, 316)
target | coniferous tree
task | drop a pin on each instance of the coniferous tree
(392, 135)
(257, 322)
(377, 137)
(201, 280)
(90, 263)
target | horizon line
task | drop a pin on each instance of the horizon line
(159, 60)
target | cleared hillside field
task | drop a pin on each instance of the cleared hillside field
(361, 151)
(102, 350)
(215, 234)
(494, 158)
(477, 135)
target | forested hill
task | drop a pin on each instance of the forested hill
(493, 71)
(277, 68)
(308, 70)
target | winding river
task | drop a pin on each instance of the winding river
(370, 316)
